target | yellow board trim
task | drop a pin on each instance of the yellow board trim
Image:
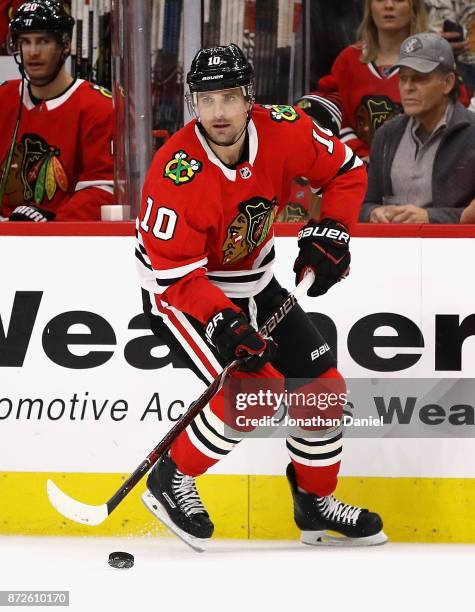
(255, 507)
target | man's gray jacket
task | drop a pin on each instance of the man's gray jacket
(453, 173)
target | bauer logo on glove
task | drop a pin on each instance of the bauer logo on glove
(319, 231)
(28, 212)
(234, 338)
(324, 248)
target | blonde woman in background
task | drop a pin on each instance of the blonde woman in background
(364, 73)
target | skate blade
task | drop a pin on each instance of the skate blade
(156, 508)
(323, 538)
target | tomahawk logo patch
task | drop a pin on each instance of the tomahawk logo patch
(102, 90)
(282, 112)
(181, 169)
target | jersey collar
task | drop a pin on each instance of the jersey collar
(54, 102)
(214, 159)
(374, 70)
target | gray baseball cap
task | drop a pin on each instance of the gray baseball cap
(426, 52)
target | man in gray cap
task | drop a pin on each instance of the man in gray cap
(422, 163)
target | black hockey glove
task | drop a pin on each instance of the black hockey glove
(324, 247)
(28, 212)
(233, 336)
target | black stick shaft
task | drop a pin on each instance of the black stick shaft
(170, 437)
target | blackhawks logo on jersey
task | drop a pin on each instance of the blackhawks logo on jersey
(36, 172)
(181, 169)
(282, 113)
(248, 229)
(372, 112)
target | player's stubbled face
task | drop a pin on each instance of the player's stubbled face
(223, 114)
(41, 54)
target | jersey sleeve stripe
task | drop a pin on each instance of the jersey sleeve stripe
(347, 134)
(350, 162)
(266, 256)
(168, 282)
(101, 183)
(174, 274)
(142, 259)
(143, 252)
(245, 283)
(145, 274)
(243, 288)
(236, 278)
(139, 246)
(106, 188)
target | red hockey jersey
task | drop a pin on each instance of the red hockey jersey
(368, 98)
(205, 232)
(62, 160)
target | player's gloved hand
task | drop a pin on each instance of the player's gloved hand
(324, 247)
(231, 333)
(28, 212)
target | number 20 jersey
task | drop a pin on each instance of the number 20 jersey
(205, 230)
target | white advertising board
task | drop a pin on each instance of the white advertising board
(80, 389)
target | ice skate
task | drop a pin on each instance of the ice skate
(172, 497)
(316, 516)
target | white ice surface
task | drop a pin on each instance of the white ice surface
(244, 576)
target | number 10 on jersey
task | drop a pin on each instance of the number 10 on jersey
(165, 221)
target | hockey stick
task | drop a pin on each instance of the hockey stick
(9, 158)
(95, 515)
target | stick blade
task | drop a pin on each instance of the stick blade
(73, 509)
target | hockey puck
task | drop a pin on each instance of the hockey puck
(121, 560)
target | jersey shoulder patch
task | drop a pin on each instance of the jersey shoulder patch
(181, 168)
(282, 112)
(102, 90)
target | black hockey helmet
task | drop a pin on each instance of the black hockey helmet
(42, 15)
(223, 67)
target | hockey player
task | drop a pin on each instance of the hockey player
(205, 252)
(56, 132)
